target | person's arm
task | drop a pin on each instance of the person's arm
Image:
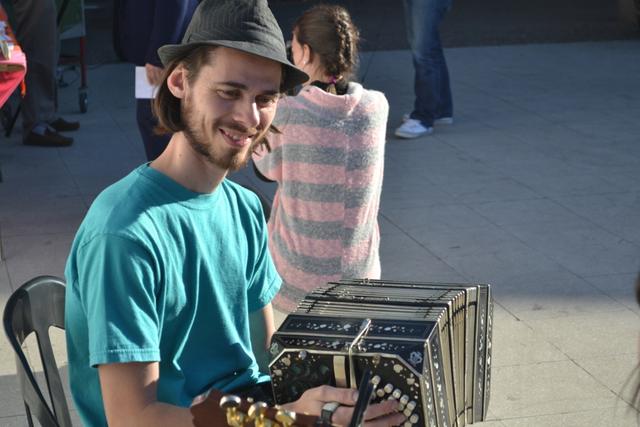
(262, 328)
(129, 397)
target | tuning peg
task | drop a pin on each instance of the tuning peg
(256, 413)
(230, 404)
(286, 418)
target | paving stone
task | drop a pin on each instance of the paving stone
(516, 343)
(404, 259)
(439, 217)
(619, 416)
(620, 373)
(544, 389)
(581, 247)
(619, 287)
(553, 294)
(43, 215)
(587, 336)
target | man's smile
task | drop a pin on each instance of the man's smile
(236, 139)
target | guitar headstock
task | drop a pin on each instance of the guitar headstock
(219, 410)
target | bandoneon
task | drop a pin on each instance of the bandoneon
(428, 346)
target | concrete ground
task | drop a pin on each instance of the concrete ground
(535, 189)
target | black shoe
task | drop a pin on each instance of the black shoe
(61, 125)
(49, 139)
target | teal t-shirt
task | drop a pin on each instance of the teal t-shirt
(160, 273)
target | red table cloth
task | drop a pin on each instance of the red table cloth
(14, 67)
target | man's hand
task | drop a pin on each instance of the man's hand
(377, 415)
(154, 74)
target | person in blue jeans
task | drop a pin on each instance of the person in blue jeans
(433, 104)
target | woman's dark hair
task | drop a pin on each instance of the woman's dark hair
(167, 108)
(330, 33)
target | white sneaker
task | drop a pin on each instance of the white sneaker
(412, 128)
(440, 121)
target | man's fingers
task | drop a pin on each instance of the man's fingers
(387, 421)
(154, 74)
(325, 393)
(382, 414)
(382, 408)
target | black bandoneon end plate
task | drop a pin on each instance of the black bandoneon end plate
(428, 346)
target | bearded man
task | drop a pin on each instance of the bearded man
(169, 277)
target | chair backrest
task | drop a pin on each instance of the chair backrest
(34, 308)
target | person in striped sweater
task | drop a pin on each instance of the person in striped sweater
(328, 162)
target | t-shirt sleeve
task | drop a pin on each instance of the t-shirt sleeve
(117, 280)
(266, 281)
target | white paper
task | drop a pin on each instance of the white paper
(144, 89)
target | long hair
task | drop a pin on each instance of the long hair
(332, 36)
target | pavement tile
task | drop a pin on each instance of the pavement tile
(404, 259)
(618, 213)
(94, 177)
(553, 294)
(14, 421)
(10, 398)
(559, 180)
(44, 215)
(519, 212)
(412, 193)
(581, 247)
(21, 420)
(619, 287)
(516, 343)
(31, 256)
(441, 217)
(499, 189)
(620, 373)
(485, 254)
(387, 227)
(7, 360)
(619, 416)
(492, 423)
(544, 389)
(609, 333)
(29, 173)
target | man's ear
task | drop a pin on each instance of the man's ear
(177, 82)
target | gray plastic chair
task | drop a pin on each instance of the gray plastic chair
(33, 308)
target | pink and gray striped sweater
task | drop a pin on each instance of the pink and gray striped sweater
(328, 163)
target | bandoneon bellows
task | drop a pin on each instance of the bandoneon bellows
(428, 346)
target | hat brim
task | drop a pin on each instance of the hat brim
(293, 75)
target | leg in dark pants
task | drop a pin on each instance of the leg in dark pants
(38, 36)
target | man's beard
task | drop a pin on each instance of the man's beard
(196, 136)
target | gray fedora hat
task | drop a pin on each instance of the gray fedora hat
(245, 25)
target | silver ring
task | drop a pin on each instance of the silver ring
(327, 411)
